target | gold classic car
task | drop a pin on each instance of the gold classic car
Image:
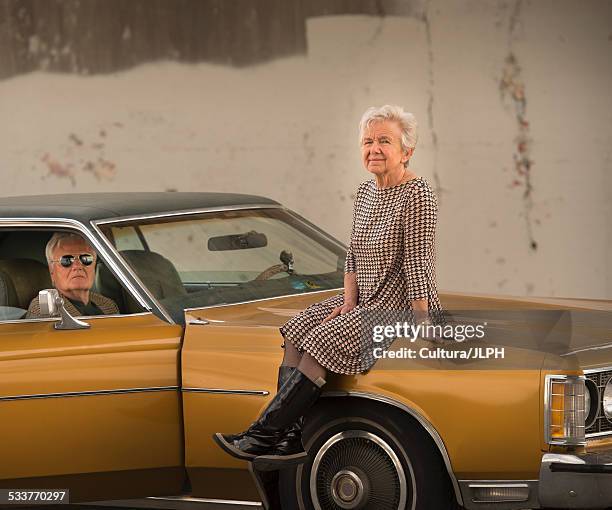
(123, 407)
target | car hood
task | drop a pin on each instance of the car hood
(577, 332)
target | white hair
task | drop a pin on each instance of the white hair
(407, 122)
(58, 238)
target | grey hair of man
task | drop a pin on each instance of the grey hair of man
(392, 113)
(58, 238)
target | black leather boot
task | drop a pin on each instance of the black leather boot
(292, 401)
(283, 374)
(291, 441)
(289, 448)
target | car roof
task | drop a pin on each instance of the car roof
(85, 207)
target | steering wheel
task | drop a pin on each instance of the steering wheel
(286, 257)
(271, 271)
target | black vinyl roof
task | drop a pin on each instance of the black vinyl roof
(84, 207)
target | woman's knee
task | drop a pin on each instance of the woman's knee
(292, 356)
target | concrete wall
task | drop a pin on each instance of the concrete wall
(512, 98)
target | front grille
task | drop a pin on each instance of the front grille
(601, 423)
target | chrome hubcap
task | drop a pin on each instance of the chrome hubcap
(348, 488)
(357, 470)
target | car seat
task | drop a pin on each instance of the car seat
(156, 272)
(21, 280)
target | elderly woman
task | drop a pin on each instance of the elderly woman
(389, 266)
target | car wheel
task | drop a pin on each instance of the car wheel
(366, 456)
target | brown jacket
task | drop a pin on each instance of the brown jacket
(105, 304)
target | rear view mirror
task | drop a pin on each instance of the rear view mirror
(244, 241)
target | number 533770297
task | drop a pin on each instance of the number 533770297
(33, 496)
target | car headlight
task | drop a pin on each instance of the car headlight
(564, 409)
(607, 400)
(591, 402)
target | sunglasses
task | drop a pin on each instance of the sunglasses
(87, 259)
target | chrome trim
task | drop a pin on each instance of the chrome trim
(347, 434)
(502, 483)
(260, 299)
(128, 269)
(168, 502)
(85, 317)
(547, 438)
(426, 424)
(587, 349)
(499, 485)
(261, 393)
(185, 212)
(206, 500)
(599, 434)
(594, 370)
(89, 393)
(316, 229)
(67, 223)
(199, 322)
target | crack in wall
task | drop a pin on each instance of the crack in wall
(430, 104)
(512, 84)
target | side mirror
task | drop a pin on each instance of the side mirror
(52, 305)
(47, 301)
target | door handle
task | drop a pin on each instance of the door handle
(198, 322)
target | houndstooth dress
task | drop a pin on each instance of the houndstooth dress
(392, 251)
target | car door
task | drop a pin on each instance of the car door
(230, 361)
(196, 264)
(95, 410)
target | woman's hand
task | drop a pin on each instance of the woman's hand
(351, 296)
(340, 310)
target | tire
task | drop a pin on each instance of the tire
(366, 456)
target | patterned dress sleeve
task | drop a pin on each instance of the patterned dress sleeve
(419, 233)
(350, 266)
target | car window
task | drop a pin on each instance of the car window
(127, 239)
(24, 272)
(184, 243)
(230, 256)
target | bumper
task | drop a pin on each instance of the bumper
(576, 481)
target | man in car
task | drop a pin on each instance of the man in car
(72, 266)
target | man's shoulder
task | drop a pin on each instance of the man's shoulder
(107, 305)
(34, 309)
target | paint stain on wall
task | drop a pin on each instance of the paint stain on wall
(80, 155)
(57, 169)
(102, 169)
(511, 86)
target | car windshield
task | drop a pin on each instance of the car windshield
(190, 261)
